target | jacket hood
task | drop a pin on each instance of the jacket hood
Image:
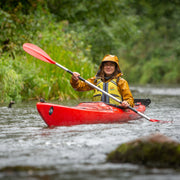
(111, 58)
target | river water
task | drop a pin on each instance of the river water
(30, 150)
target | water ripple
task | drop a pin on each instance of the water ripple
(79, 152)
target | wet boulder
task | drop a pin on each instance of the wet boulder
(156, 150)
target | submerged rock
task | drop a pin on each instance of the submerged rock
(155, 150)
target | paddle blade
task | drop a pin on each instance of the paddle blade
(160, 121)
(37, 52)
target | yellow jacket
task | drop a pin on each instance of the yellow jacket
(122, 84)
(123, 88)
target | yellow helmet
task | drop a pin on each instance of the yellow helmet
(111, 58)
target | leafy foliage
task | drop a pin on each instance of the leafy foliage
(106, 23)
(78, 33)
(136, 31)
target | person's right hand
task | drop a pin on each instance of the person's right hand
(75, 76)
(124, 104)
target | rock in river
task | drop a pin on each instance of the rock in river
(156, 150)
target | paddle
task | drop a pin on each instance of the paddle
(40, 54)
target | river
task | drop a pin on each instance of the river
(32, 151)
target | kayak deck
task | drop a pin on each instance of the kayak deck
(86, 113)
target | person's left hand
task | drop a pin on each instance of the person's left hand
(124, 104)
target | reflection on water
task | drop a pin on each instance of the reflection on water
(30, 150)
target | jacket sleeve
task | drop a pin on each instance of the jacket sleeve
(125, 91)
(82, 86)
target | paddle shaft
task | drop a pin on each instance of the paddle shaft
(94, 86)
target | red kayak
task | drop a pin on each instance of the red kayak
(86, 113)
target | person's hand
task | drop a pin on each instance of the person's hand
(75, 76)
(124, 104)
